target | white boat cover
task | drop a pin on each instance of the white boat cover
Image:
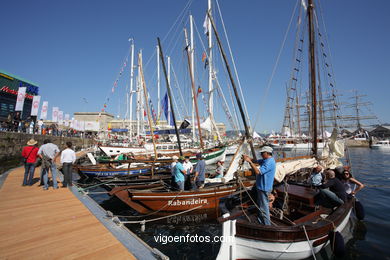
(207, 124)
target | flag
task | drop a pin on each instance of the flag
(61, 117)
(206, 25)
(185, 124)
(204, 56)
(54, 115)
(45, 104)
(199, 91)
(35, 105)
(164, 106)
(67, 119)
(20, 99)
(206, 63)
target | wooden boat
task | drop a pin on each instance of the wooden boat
(166, 200)
(303, 232)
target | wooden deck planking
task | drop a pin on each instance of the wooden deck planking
(53, 224)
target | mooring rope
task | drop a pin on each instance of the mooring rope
(308, 241)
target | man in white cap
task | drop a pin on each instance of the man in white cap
(265, 174)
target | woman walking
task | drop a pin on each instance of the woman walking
(29, 153)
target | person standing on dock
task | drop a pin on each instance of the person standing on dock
(200, 170)
(68, 157)
(29, 153)
(48, 152)
(265, 174)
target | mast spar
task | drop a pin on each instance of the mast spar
(313, 85)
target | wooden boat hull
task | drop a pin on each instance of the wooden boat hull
(174, 201)
(108, 172)
(254, 241)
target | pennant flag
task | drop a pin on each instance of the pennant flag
(67, 119)
(20, 99)
(45, 105)
(185, 124)
(206, 63)
(204, 56)
(35, 105)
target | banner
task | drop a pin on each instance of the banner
(20, 99)
(67, 119)
(45, 105)
(54, 116)
(35, 105)
(91, 126)
(61, 117)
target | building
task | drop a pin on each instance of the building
(108, 122)
(9, 86)
(94, 121)
(382, 131)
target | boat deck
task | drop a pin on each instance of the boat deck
(38, 224)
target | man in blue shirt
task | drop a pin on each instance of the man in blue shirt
(200, 170)
(179, 173)
(265, 174)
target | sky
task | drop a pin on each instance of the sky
(74, 50)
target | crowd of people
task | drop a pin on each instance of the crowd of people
(334, 187)
(45, 156)
(31, 125)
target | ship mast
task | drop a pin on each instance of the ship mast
(313, 87)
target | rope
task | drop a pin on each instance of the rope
(86, 188)
(308, 241)
(275, 66)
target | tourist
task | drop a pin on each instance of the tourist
(265, 174)
(68, 157)
(188, 167)
(200, 170)
(48, 152)
(29, 154)
(316, 178)
(219, 170)
(332, 193)
(173, 164)
(180, 172)
(351, 185)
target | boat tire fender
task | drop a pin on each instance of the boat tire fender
(359, 210)
(337, 243)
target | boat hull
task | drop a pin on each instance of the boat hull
(254, 241)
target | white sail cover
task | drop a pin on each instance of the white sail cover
(256, 135)
(289, 167)
(333, 151)
(207, 124)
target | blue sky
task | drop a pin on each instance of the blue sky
(75, 49)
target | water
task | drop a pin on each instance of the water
(368, 238)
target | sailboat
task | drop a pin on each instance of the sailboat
(299, 229)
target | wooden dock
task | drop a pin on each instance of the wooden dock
(52, 224)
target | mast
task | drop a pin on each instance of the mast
(170, 104)
(313, 87)
(146, 102)
(210, 61)
(138, 105)
(192, 72)
(158, 81)
(193, 88)
(131, 90)
(169, 95)
(247, 134)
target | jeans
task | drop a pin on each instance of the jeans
(329, 199)
(45, 173)
(262, 202)
(180, 185)
(29, 169)
(67, 171)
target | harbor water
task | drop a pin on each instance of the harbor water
(368, 239)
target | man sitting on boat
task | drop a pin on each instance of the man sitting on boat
(180, 172)
(332, 193)
(265, 174)
(200, 170)
(316, 177)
